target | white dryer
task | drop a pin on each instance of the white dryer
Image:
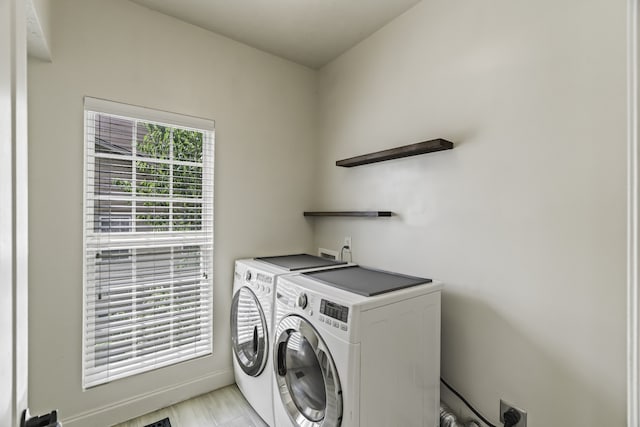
(356, 347)
(252, 320)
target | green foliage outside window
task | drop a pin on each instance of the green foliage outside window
(154, 179)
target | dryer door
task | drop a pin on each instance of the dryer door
(306, 375)
(249, 332)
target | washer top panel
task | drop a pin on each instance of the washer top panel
(366, 281)
(299, 261)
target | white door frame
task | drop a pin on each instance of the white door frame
(6, 215)
(633, 218)
(13, 212)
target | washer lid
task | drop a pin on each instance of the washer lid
(366, 281)
(299, 261)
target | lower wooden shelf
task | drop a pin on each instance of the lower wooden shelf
(350, 213)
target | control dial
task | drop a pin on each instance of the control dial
(302, 301)
(247, 275)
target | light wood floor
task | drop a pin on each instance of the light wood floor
(221, 408)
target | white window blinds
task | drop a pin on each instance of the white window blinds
(148, 235)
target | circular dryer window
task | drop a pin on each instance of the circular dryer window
(306, 375)
(249, 332)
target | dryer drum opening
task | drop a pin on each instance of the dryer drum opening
(306, 377)
(249, 332)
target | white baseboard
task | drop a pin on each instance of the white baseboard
(141, 404)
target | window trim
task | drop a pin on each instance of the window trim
(144, 113)
(127, 111)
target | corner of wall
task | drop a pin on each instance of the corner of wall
(39, 29)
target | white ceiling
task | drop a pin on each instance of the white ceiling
(309, 32)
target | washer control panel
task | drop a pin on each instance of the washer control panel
(302, 301)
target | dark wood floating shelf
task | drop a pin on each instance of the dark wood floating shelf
(397, 153)
(350, 213)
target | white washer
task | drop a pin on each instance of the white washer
(343, 359)
(252, 322)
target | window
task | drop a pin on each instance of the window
(148, 234)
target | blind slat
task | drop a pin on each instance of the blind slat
(143, 312)
(122, 319)
(129, 335)
(145, 363)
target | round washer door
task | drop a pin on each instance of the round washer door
(306, 376)
(249, 332)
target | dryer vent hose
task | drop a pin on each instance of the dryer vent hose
(449, 419)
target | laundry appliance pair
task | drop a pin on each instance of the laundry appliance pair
(252, 322)
(349, 347)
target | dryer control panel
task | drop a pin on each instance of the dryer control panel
(260, 282)
(334, 310)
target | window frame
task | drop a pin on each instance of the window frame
(93, 106)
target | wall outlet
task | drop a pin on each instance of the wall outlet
(505, 406)
(347, 242)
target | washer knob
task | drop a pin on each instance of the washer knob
(302, 301)
(247, 275)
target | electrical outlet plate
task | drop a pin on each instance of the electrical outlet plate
(347, 242)
(505, 406)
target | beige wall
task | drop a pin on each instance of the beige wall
(264, 108)
(525, 219)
